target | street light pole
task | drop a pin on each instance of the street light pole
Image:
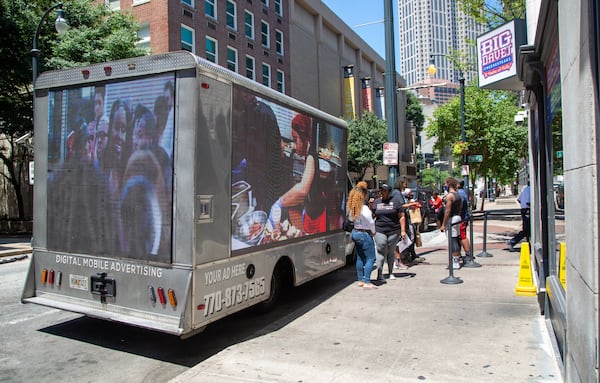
(391, 114)
(61, 27)
(432, 70)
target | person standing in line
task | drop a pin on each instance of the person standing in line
(390, 226)
(465, 214)
(525, 202)
(436, 204)
(400, 200)
(452, 216)
(362, 234)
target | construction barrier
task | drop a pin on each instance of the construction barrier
(525, 285)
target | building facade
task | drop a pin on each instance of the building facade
(247, 37)
(298, 47)
(438, 28)
(560, 70)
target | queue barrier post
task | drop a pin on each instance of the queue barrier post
(469, 260)
(484, 253)
(450, 279)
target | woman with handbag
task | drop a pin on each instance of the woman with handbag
(362, 233)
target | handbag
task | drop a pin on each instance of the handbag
(418, 241)
(415, 216)
(348, 224)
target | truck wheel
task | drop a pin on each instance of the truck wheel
(275, 291)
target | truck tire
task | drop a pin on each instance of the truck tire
(277, 284)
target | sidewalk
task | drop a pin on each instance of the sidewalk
(14, 247)
(410, 329)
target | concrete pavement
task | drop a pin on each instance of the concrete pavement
(410, 329)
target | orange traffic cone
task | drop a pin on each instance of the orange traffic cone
(525, 286)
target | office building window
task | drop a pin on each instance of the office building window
(278, 8)
(210, 8)
(211, 50)
(279, 42)
(266, 75)
(264, 34)
(187, 38)
(250, 68)
(232, 59)
(114, 5)
(265, 2)
(188, 3)
(144, 36)
(231, 13)
(280, 81)
(249, 25)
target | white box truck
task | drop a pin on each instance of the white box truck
(171, 192)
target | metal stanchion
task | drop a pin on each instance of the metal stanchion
(484, 253)
(469, 261)
(450, 279)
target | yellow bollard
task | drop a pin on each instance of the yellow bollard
(562, 270)
(525, 286)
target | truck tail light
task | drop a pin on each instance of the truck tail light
(161, 296)
(151, 294)
(172, 299)
(51, 277)
(44, 276)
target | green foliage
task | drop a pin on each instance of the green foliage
(95, 35)
(365, 143)
(489, 128)
(414, 111)
(493, 13)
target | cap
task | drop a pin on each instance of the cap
(385, 187)
(407, 191)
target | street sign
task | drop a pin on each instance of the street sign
(559, 154)
(475, 158)
(390, 153)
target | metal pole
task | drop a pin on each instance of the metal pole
(35, 52)
(391, 114)
(462, 129)
(484, 253)
(450, 279)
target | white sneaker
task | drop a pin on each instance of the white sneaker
(455, 263)
(392, 276)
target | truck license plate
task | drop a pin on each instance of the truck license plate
(78, 282)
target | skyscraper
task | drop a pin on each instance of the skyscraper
(435, 27)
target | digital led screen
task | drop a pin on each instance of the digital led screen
(110, 168)
(288, 173)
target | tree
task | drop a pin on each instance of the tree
(365, 143)
(493, 13)
(96, 34)
(490, 131)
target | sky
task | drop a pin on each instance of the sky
(355, 13)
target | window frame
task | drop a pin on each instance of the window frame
(279, 43)
(229, 16)
(249, 26)
(278, 7)
(193, 42)
(280, 81)
(215, 53)
(268, 77)
(189, 3)
(231, 49)
(253, 60)
(265, 36)
(213, 5)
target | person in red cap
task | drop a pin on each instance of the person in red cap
(308, 190)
